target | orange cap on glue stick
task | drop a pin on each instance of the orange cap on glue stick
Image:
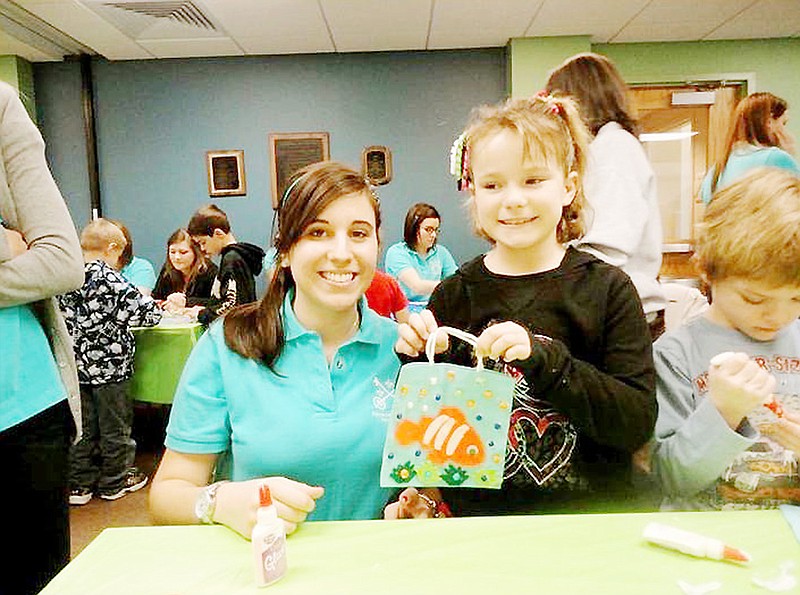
(693, 544)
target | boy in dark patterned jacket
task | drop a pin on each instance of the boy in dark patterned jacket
(99, 316)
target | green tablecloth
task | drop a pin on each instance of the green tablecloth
(161, 352)
(562, 554)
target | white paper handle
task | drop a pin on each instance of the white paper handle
(430, 346)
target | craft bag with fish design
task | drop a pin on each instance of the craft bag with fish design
(449, 424)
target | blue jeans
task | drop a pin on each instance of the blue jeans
(35, 465)
(106, 450)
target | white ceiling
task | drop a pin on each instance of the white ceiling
(46, 30)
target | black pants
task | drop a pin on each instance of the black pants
(33, 499)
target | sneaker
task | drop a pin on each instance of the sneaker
(134, 480)
(80, 496)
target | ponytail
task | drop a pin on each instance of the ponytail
(255, 331)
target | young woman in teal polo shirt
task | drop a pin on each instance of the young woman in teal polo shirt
(293, 389)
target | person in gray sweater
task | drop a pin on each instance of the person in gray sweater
(39, 258)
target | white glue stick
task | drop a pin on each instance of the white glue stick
(693, 544)
(771, 403)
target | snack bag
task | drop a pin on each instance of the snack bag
(449, 424)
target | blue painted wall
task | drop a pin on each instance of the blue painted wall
(156, 120)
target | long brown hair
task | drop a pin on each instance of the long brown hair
(598, 88)
(200, 264)
(750, 124)
(255, 331)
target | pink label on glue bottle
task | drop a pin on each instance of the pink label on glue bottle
(272, 559)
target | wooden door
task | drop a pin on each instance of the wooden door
(681, 142)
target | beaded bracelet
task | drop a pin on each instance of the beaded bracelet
(439, 510)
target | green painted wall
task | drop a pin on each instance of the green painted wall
(8, 70)
(774, 63)
(530, 59)
(18, 73)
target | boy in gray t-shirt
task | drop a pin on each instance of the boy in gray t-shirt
(720, 378)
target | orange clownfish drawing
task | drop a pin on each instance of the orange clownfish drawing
(447, 436)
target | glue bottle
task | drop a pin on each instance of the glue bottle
(269, 541)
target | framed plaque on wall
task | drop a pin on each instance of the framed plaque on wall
(293, 151)
(376, 164)
(226, 173)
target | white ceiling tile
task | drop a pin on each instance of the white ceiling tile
(267, 18)
(767, 18)
(289, 42)
(478, 23)
(366, 25)
(578, 17)
(187, 48)
(274, 26)
(674, 20)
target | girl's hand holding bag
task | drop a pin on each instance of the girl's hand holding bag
(449, 423)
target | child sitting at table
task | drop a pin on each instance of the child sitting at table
(187, 277)
(568, 327)
(240, 262)
(716, 373)
(98, 317)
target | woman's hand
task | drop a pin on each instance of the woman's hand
(177, 299)
(16, 242)
(411, 504)
(237, 503)
(414, 334)
(737, 386)
(508, 341)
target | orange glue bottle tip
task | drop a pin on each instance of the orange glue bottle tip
(734, 554)
(264, 496)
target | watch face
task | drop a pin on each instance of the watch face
(202, 507)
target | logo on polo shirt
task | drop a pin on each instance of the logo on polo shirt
(382, 398)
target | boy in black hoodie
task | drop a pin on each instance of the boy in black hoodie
(239, 265)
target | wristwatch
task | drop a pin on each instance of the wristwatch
(206, 503)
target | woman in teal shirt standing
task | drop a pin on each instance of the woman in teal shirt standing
(39, 258)
(757, 138)
(295, 389)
